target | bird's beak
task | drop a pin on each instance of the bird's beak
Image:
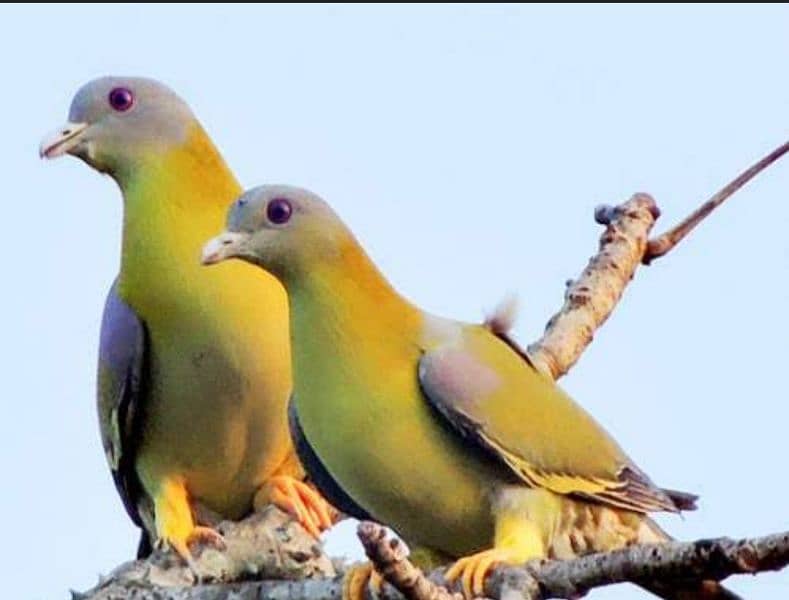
(60, 141)
(225, 245)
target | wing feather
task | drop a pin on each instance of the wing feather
(122, 372)
(487, 390)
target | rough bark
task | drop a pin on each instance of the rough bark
(590, 299)
(538, 580)
(678, 562)
(266, 545)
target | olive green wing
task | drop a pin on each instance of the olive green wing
(490, 394)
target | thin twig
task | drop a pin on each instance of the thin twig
(662, 244)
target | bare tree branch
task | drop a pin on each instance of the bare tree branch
(590, 299)
(624, 245)
(539, 580)
(268, 544)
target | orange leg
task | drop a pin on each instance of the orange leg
(175, 526)
(520, 525)
(299, 500)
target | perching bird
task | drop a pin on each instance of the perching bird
(440, 429)
(191, 399)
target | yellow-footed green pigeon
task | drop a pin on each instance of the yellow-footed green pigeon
(191, 398)
(442, 430)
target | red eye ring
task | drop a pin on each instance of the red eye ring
(121, 99)
(279, 211)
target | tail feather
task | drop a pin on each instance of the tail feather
(682, 500)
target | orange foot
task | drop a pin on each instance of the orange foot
(302, 502)
(357, 579)
(475, 568)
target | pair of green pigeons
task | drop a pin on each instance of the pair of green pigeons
(298, 376)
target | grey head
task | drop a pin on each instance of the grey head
(284, 229)
(115, 122)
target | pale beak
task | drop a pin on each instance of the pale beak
(60, 141)
(225, 245)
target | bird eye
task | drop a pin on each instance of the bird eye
(279, 211)
(121, 99)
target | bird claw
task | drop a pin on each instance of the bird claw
(474, 569)
(207, 536)
(358, 580)
(302, 502)
(203, 536)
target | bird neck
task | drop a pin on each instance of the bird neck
(349, 305)
(354, 340)
(173, 202)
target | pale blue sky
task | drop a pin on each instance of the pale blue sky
(467, 147)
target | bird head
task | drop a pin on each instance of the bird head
(115, 122)
(286, 230)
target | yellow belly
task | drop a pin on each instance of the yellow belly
(215, 413)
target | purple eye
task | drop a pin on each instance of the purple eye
(279, 211)
(121, 99)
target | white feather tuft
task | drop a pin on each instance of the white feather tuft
(503, 317)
